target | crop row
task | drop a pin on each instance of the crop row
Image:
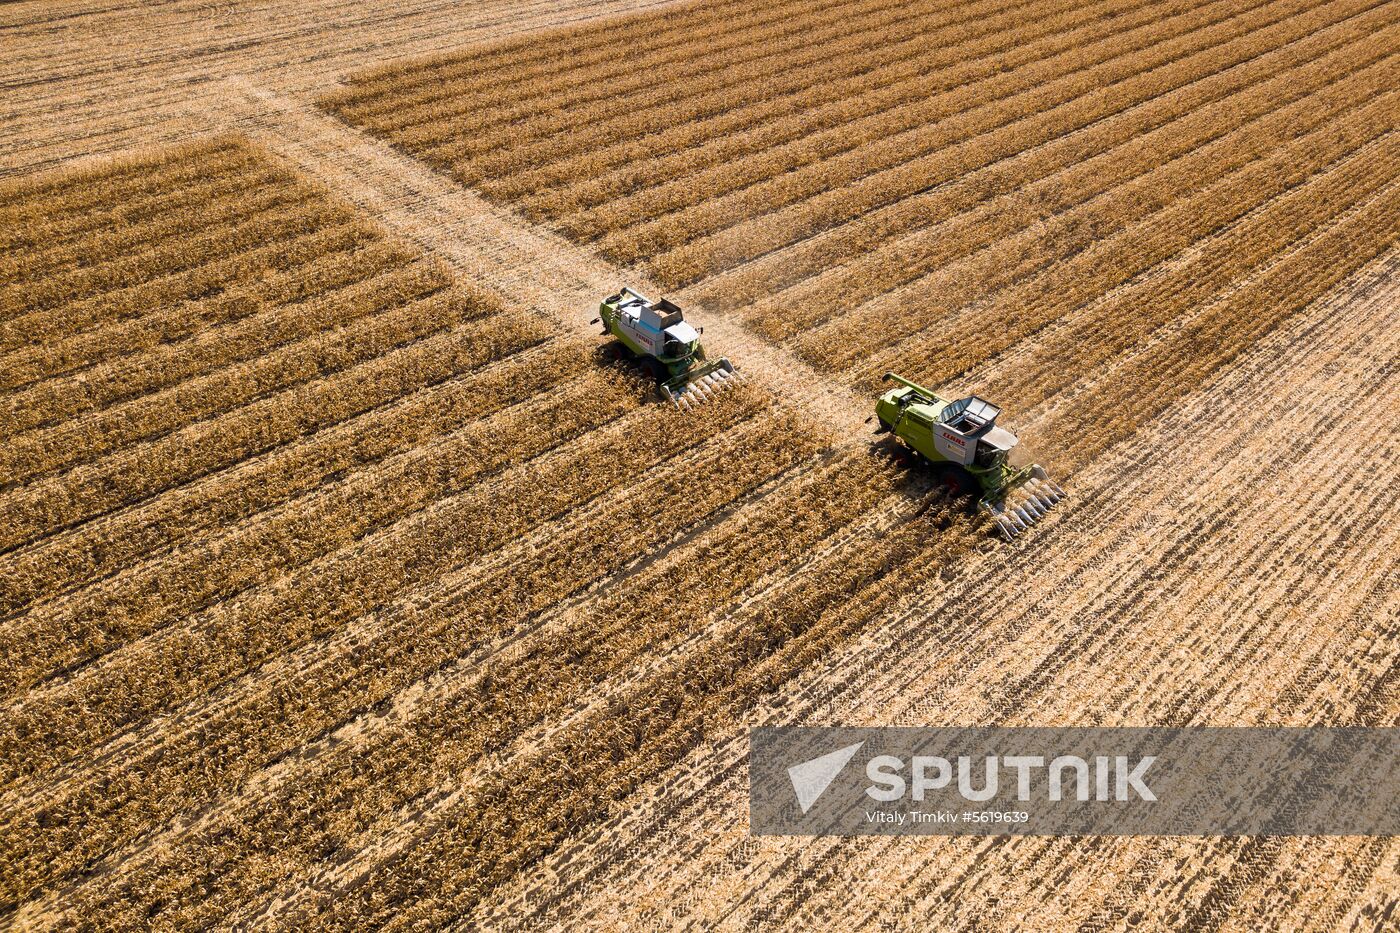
(528, 59)
(246, 221)
(542, 796)
(128, 538)
(694, 110)
(648, 612)
(491, 154)
(392, 311)
(205, 264)
(463, 610)
(653, 221)
(242, 322)
(126, 607)
(1021, 310)
(1044, 102)
(728, 62)
(797, 288)
(858, 85)
(936, 286)
(201, 447)
(1229, 326)
(371, 520)
(91, 196)
(122, 323)
(146, 218)
(678, 143)
(1130, 319)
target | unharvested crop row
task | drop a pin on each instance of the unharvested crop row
(746, 285)
(794, 289)
(719, 234)
(247, 220)
(474, 155)
(515, 97)
(96, 191)
(1021, 310)
(411, 637)
(956, 265)
(106, 327)
(646, 222)
(1230, 326)
(205, 264)
(679, 142)
(148, 195)
(540, 111)
(158, 217)
(578, 45)
(119, 481)
(600, 173)
(128, 538)
(386, 518)
(1129, 319)
(127, 605)
(244, 321)
(351, 793)
(389, 312)
(358, 532)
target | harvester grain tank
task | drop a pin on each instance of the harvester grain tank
(961, 439)
(658, 335)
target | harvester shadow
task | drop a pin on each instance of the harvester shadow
(637, 372)
(919, 484)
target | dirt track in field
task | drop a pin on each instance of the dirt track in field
(322, 580)
(529, 265)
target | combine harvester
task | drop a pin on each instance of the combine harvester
(658, 336)
(970, 452)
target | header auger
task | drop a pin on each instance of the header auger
(658, 335)
(961, 439)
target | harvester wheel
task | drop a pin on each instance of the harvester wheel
(958, 481)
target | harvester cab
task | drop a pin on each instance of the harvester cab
(972, 454)
(658, 334)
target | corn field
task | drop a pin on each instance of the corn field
(348, 580)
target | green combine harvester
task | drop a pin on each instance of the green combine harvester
(658, 336)
(961, 439)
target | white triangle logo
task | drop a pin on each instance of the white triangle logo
(810, 779)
